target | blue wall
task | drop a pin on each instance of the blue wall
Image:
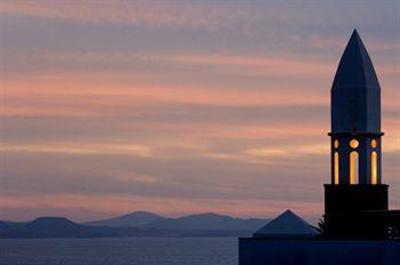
(260, 251)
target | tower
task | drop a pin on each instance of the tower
(356, 118)
(357, 227)
(356, 192)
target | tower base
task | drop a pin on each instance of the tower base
(356, 211)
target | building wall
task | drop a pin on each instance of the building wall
(261, 251)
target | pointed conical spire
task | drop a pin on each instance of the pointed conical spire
(355, 91)
(355, 69)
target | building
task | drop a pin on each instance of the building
(357, 227)
(356, 201)
(287, 225)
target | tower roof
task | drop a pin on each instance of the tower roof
(355, 92)
(355, 69)
(288, 224)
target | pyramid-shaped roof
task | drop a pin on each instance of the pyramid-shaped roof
(288, 224)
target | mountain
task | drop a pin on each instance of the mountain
(52, 223)
(134, 219)
(59, 227)
(42, 227)
(3, 225)
(137, 224)
(208, 221)
(54, 227)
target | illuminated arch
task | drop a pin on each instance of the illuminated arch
(353, 167)
(374, 168)
(336, 169)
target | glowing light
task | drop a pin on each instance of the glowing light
(374, 168)
(336, 169)
(353, 167)
(336, 144)
(354, 143)
(374, 143)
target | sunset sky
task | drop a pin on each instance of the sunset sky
(180, 107)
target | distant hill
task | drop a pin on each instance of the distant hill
(55, 226)
(3, 225)
(208, 221)
(134, 225)
(134, 219)
(52, 223)
(44, 227)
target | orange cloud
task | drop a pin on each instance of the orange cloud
(172, 104)
(79, 149)
(246, 64)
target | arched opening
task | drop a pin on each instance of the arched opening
(336, 169)
(353, 167)
(374, 168)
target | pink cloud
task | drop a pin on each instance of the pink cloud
(111, 205)
(154, 14)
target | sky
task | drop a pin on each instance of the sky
(180, 107)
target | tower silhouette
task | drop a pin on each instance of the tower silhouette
(356, 194)
(356, 118)
(357, 226)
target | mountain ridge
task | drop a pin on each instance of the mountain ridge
(137, 224)
(206, 221)
(133, 219)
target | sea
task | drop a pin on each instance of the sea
(120, 251)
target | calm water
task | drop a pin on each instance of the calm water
(119, 251)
